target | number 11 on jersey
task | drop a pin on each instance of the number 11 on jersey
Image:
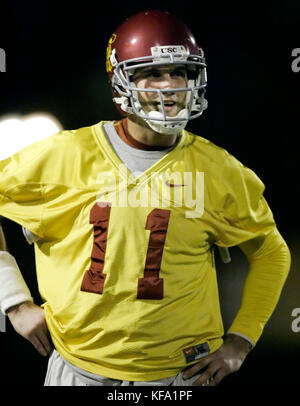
(150, 286)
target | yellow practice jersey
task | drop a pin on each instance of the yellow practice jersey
(125, 266)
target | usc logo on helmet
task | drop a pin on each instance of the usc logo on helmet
(169, 50)
(108, 53)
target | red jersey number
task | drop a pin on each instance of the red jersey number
(150, 286)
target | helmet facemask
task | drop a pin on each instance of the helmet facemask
(128, 93)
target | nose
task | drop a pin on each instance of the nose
(167, 82)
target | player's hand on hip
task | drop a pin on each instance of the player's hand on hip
(29, 321)
(227, 359)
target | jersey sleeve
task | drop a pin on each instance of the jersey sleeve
(270, 261)
(21, 186)
(243, 211)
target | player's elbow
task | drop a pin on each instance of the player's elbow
(270, 252)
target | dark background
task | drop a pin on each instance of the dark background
(56, 63)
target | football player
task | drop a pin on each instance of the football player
(124, 215)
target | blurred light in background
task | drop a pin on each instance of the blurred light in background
(16, 132)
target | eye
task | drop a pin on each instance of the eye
(147, 73)
(179, 72)
(155, 73)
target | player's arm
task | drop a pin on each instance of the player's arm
(245, 219)
(16, 302)
(269, 260)
(269, 264)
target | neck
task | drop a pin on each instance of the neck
(139, 130)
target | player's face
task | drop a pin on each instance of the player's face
(162, 77)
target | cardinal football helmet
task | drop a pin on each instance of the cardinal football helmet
(156, 38)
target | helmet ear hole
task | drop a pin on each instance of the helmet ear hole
(192, 72)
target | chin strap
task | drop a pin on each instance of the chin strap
(167, 127)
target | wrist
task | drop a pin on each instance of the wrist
(19, 307)
(239, 342)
